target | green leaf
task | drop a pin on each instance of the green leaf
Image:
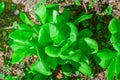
(85, 58)
(85, 69)
(2, 76)
(111, 70)
(114, 26)
(17, 45)
(82, 18)
(60, 19)
(87, 45)
(92, 44)
(104, 57)
(66, 53)
(71, 55)
(41, 67)
(55, 34)
(41, 14)
(39, 77)
(21, 35)
(62, 62)
(37, 28)
(52, 51)
(77, 2)
(22, 26)
(55, 14)
(115, 40)
(44, 37)
(76, 56)
(51, 8)
(108, 10)
(18, 55)
(28, 46)
(59, 33)
(2, 7)
(72, 38)
(73, 32)
(85, 33)
(66, 14)
(9, 78)
(21, 50)
(52, 62)
(25, 19)
(66, 69)
(65, 46)
(117, 67)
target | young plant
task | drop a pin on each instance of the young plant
(56, 41)
(108, 10)
(107, 58)
(78, 2)
(92, 3)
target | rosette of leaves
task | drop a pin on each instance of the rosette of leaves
(56, 41)
(110, 59)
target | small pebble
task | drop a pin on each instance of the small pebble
(16, 12)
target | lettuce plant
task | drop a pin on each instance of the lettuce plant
(110, 59)
(2, 7)
(56, 41)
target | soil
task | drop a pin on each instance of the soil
(12, 14)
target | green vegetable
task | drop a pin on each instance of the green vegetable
(56, 41)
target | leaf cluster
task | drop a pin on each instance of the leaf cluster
(56, 41)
